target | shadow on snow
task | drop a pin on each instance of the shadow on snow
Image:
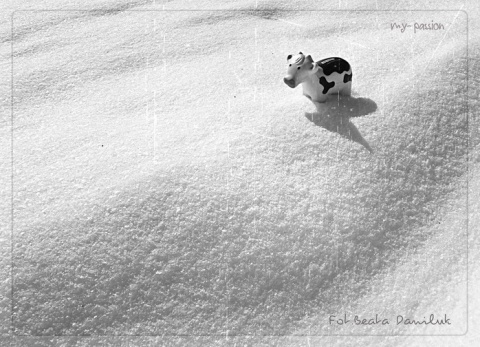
(334, 115)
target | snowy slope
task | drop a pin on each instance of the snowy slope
(167, 182)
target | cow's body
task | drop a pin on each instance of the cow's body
(321, 78)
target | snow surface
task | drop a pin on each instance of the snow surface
(166, 181)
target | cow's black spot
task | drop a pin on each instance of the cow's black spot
(326, 85)
(289, 56)
(347, 78)
(334, 64)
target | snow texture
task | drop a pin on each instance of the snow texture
(162, 181)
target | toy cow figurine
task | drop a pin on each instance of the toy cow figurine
(319, 79)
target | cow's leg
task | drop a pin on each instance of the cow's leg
(347, 89)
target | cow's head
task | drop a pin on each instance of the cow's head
(300, 67)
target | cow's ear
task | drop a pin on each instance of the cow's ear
(308, 58)
(300, 53)
(289, 57)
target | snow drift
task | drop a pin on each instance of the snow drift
(167, 182)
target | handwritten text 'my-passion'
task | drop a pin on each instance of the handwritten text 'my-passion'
(417, 26)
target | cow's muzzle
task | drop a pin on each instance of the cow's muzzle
(289, 81)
